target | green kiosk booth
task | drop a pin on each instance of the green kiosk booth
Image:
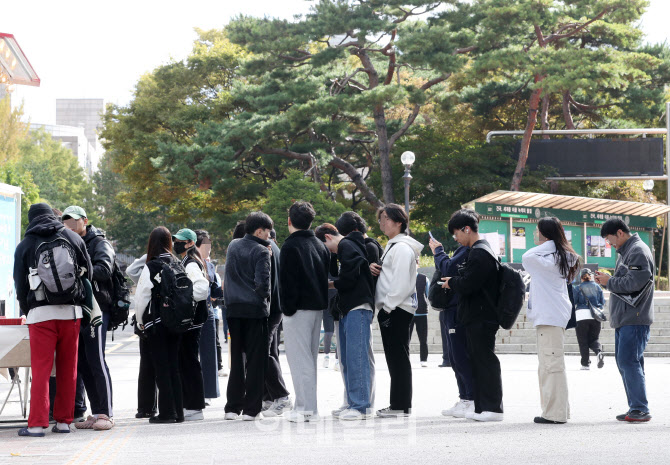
(508, 219)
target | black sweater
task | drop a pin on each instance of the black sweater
(41, 229)
(303, 273)
(477, 287)
(247, 278)
(354, 283)
(102, 258)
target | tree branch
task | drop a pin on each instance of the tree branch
(555, 37)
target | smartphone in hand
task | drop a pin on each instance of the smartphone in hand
(431, 235)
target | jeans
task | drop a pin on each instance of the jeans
(629, 345)
(355, 337)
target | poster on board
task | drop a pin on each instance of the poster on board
(496, 241)
(8, 231)
(519, 238)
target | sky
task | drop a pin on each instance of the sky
(88, 49)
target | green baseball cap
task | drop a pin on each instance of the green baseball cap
(185, 235)
(75, 212)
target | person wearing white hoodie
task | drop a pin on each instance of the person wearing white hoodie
(550, 264)
(396, 302)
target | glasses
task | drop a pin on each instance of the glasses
(462, 230)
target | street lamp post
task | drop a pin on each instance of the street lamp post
(407, 159)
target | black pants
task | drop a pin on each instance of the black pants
(249, 360)
(588, 332)
(219, 360)
(458, 354)
(164, 347)
(275, 387)
(93, 372)
(444, 332)
(394, 328)
(192, 385)
(421, 323)
(146, 381)
(481, 340)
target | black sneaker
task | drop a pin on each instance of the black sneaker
(622, 417)
(389, 413)
(637, 415)
(157, 419)
(601, 359)
(544, 421)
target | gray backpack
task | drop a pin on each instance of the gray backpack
(56, 266)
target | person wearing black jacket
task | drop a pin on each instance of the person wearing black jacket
(303, 281)
(53, 328)
(246, 291)
(92, 370)
(356, 289)
(477, 289)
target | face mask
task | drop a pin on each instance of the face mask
(180, 247)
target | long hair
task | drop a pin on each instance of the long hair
(160, 241)
(551, 228)
(194, 253)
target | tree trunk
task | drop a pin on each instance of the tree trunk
(384, 154)
(567, 115)
(544, 118)
(525, 141)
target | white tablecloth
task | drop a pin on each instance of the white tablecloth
(10, 337)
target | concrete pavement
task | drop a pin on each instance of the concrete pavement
(592, 436)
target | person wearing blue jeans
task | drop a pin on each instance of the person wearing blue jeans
(355, 288)
(631, 312)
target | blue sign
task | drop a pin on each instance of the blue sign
(7, 246)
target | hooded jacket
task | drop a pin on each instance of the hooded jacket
(102, 258)
(354, 283)
(41, 229)
(448, 267)
(634, 269)
(396, 285)
(549, 303)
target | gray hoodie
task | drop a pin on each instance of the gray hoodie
(634, 268)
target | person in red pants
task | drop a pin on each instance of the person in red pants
(48, 265)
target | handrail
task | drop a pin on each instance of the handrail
(568, 132)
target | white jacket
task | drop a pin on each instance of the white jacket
(396, 285)
(548, 303)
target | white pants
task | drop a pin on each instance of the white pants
(551, 373)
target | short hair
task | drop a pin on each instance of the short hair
(273, 234)
(301, 214)
(397, 214)
(326, 228)
(349, 222)
(238, 232)
(462, 218)
(611, 226)
(257, 220)
(201, 235)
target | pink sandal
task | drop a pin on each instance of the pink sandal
(86, 424)
(104, 423)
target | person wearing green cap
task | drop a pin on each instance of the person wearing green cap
(189, 363)
(92, 370)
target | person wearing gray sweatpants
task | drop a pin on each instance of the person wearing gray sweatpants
(303, 283)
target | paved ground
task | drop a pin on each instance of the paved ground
(592, 436)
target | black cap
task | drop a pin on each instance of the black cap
(39, 209)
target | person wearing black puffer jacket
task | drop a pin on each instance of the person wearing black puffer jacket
(303, 280)
(92, 369)
(247, 292)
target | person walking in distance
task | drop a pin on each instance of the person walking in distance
(396, 302)
(550, 265)
(420, 319)
(588, 329)
(303, 281)
(477, 288)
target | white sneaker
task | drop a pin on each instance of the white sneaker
(488, 416)
(231, 416)
(424, 364)
(193, 415)
(353, 415)
(585, 368)
(326, 361)
(266, 405)
(337, 411)
(278, 407)
(223, 373)
(250, 418)
(297, 417)
(336, 366)
(459, 409)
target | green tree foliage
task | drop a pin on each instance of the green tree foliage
(295, 187)
(575, 49)
(9, 174)
(12, 131)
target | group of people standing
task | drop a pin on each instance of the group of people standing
(337, 268)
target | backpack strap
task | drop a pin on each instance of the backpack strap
(487, 247)
(381, 261)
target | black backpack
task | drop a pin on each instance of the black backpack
(511, 291)
(438, 296)
(176, 306)
(120, 300)
(56, 265)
